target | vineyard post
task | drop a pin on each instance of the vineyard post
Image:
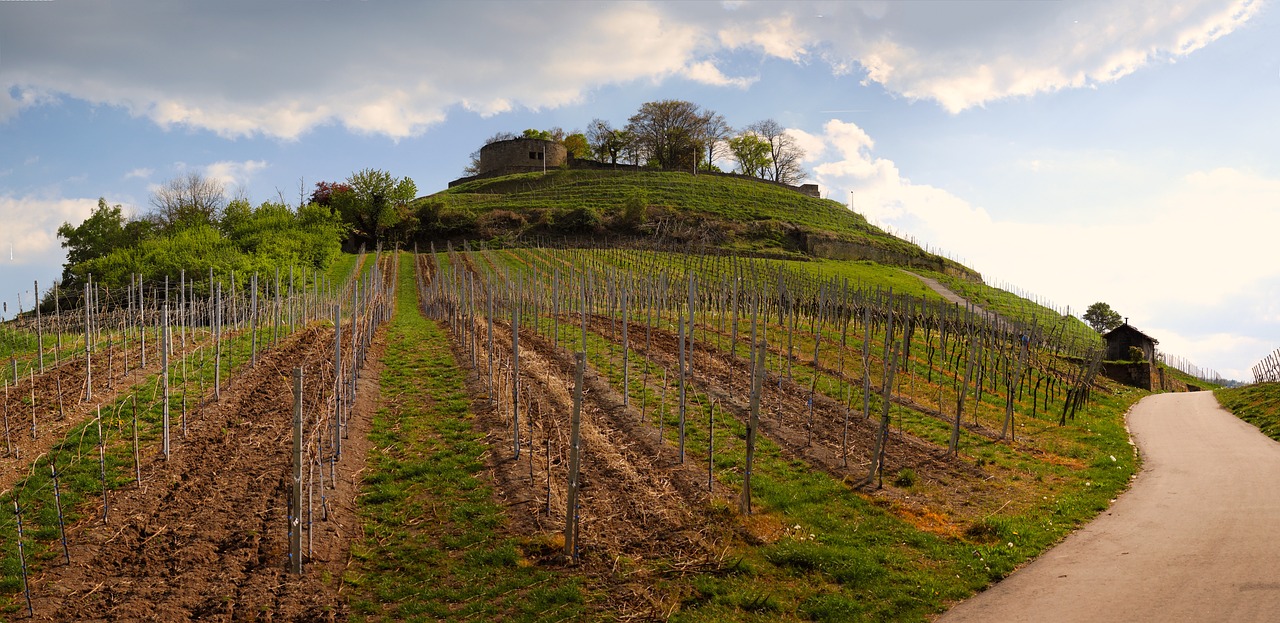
(102, 465)
(625, 293)
(337, 380)
(866, 359)
(7, 442)
(141, 322)
(680, 379)
(57, 499)
(57, 323)
(753, 424)
(32, 387)
(88, 363)
(217, 346)
(295, 498)
(164, 379)
(711, 442)
(953, 445)
(492, 396)
(253, 323)
(515, 371)
(39, 328)
(22, 560)
(890, 360)
(571, 506)
(137, 463)
(182, 307)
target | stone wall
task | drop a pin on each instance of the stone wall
(521, 155)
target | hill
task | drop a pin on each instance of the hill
(670, 207)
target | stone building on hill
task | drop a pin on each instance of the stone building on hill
(521, 155)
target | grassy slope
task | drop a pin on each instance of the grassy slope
(1257, 404)
(433, 547)
(723, 198)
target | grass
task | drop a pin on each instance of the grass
(843, 555)
(1257, 404)
(434, 546)
(748, 215)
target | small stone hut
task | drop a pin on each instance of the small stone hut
(1121, 338)
(521, 155)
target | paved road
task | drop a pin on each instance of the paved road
(1197, 537)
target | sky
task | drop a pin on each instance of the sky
(1117, 151)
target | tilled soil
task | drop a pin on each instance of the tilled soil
(60, 405)
(959, 491)
(636, 498)
(205, 536)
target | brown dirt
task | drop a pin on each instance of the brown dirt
(54, 420)
(951, 493)
(205, 536)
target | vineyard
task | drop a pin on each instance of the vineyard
(543, 434)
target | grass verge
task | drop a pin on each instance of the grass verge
(433, 546)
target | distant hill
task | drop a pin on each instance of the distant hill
(670, 207)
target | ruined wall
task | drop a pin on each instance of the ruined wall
(521, 155)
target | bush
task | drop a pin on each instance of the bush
(1137, 354)
(582, 219)
(499, 222)
(906, 478)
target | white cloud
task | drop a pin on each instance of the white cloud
(707, 73)
(1198, 241)
(141, 173)
(233, 174)
(397, 69)
(31, 226)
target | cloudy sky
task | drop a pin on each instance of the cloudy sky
(1126, 152)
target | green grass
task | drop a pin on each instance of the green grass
(433, 547)
(750, 215)
(846, 558)
(1257, 404)
(1016, 308)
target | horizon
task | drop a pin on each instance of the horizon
(1134, 164)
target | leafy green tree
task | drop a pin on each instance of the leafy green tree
(375, 205)
(784, 154)
(752, 154)
(577, 146)
(1101, 317)
(99, 235)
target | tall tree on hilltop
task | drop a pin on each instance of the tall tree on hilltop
(670, 134)
(751, 153)
(188, 200)
(717, 134)
(784, 154)
(376, 205)
(1101, 317)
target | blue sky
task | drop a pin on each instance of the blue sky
(1117, 151)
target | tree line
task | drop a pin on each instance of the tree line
(677, 135)
(193, 225)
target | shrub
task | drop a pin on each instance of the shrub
(499, 222)
(582, 219)
(1136, 354)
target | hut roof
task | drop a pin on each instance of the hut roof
(1127, 328)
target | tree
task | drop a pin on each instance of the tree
(751, 153)
(375, 204)
(99, 235)
(717, 134)
(1101, 317)
(785, 155)
(670, 134)
(577, 146)
(610, 144)
(188, 200)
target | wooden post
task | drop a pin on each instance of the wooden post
(295, 499)
(22, 559)
(337, 380)
(753, 426)
(571, 508)
(515, 372)
(102, 466)
(57, 499)
(88, 363)
(164, 376)
(39, 328)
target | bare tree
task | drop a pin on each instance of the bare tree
(716, 134)
(190, 199)
(670, 133)
(784, 152)
(607, 143)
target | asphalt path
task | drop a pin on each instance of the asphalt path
(1196, 538)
